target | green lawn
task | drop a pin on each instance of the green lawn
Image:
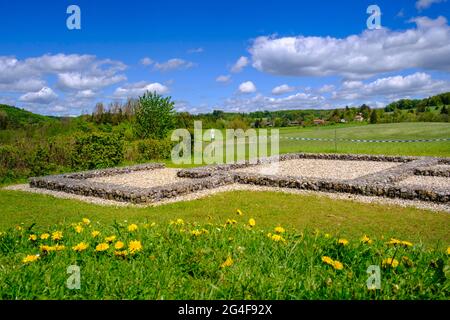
(204, 257)
(348, 218)
(390, 131)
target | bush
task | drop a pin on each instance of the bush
(39, 162)
(97, 150)
(150, 149)
(154, 116)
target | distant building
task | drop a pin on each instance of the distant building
(319, 121)
(359, 117)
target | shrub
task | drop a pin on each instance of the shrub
(150, 149)
(97, 150)
(39, 162)
(154, 116)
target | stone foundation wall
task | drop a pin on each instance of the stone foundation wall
(378, 184)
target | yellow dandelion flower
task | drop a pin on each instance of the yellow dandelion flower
(196, 232)
(57, 235)
(407, 244)
(338, 265)
(59, 247)
(19, 228)
(269, 235)
(132, 227)
(30, 258)
(366, 239)
(32, 237)
(110, 239)
(102, 247)
(227, 263)
(45, 248)
(343, 242)
(279, 230)
(251, 222)
(327, 260)
(135, 246)
(394, 242)
(231, 221)
(278, 238)
(78, 228)
(390, 262)
(119, 245)
(121, 253)
(95, 233)
(86, 221)
(45, 236)
(448, 250)
(239, 212)
(80, 247)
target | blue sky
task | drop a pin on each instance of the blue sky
(232, 55)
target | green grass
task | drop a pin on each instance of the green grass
(348, 218)
(176, 264)
(391, 131)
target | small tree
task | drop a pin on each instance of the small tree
(154, 116)
(373, 117)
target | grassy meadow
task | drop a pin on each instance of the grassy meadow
(276, 246)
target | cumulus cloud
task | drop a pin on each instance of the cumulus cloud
(85, 94)
(284, 88)
(240, 64)
(299, 100)
(138, 89)
(326, 88)
(29, 74)
(393, 88)
(357, 56)
(173, 64)
(146, 61)
(423, 4)
(223, 78)
(79, 81)
(247, 87)
(43, 96)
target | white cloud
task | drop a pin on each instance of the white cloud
(326, 88)
(146, 61)
(240, 64)
(29, 74)
(85, 94)
(137, 89)
(284, 88)
(223, 78)
(423, 4)
(392, 88)
(43, 96)
(173, 64)
(247, 87)
(79, 81)
(357, 56)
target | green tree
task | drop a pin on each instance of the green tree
(373, 117)
(154, 116)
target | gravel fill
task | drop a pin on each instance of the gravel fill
(317, 168)
(426, 205)
(426, 181)
(143, 179)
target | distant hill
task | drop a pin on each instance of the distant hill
(12, 117)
